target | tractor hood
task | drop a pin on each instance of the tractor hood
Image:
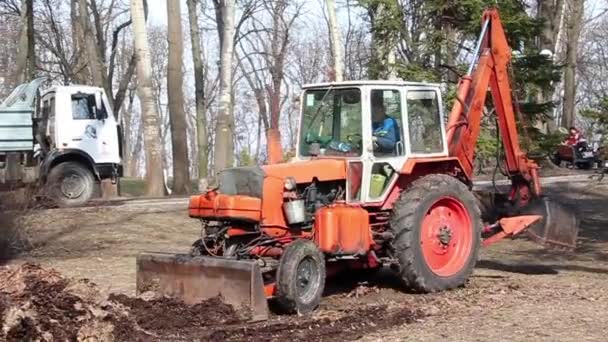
(249, 180)
(305, 171)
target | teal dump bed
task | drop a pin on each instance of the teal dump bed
(16, 118)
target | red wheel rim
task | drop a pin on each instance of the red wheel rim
(446, 237)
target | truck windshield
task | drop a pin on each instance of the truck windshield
(332, 119)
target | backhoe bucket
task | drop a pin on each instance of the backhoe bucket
(558, 228)
(193, 279)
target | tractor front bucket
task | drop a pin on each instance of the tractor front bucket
(557, 229)
(193, 279)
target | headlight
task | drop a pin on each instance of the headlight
(290, 184)
(606, 163)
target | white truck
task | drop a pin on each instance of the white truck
(65, 139)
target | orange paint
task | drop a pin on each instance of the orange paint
(305, 171)
(270, 289)
(272, 205)
(412, 163)
(275, 150)
(342, 229)
(213, 206)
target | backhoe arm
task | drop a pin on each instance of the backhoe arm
(489, 69)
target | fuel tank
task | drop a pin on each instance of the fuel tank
(342, 229)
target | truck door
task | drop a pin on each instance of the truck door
(84, 124)
(89, 131)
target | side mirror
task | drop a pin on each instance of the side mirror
(100, 112)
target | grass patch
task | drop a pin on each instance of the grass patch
(134, 187)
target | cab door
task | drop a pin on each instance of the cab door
(387, 152)
(84, 126)
(425, 128)
(91, 129)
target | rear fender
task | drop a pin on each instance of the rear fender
(415, 168)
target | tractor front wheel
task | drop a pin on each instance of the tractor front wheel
(437, 226)
(300, 277)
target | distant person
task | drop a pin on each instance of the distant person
(385, 129)
(577, 141)
(574, 137)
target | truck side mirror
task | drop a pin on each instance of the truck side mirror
(100, 112)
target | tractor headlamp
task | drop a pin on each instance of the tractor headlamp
(290, 184)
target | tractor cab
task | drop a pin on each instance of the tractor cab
(376, 126)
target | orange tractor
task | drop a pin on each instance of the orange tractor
(362, 193)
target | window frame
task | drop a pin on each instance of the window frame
(444, 151)
(403, 111)
(88, 98)
(301, 123)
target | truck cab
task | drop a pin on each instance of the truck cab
(66, 138)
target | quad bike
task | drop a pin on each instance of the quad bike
(581, 155)
(276, 232)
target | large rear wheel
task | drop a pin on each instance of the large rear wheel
(300, 277)
(437, 227)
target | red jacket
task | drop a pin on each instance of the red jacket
(573, 139)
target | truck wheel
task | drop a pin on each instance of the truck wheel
(300, 277)
(437, 226)
(70, 184)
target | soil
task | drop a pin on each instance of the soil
(519, 291)
(168, 316)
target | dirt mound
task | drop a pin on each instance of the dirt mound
(166, 316)
(40, 304)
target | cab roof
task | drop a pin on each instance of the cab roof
(395, 83)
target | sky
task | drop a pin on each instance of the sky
(158, 9)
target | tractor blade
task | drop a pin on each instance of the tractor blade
(193, 279)
(557, 229)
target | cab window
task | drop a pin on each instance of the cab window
(424, 120)
(83, 107)
(331, 120)
(386, 122)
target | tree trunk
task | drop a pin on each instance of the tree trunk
(96, 66)
(81, 74)
(551, 11)
(199, 91)
(175, 94)
(336, 41)
(575, 24)
(224, 151)
(154, 172)
(25, 70)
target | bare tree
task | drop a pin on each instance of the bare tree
(552, 13)
(336, 41)
(224, 132)
(154, 174)
(26, 56)
(266, 55)
(199, 89)
(175, 94)
(574, 28)
(93, 53)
